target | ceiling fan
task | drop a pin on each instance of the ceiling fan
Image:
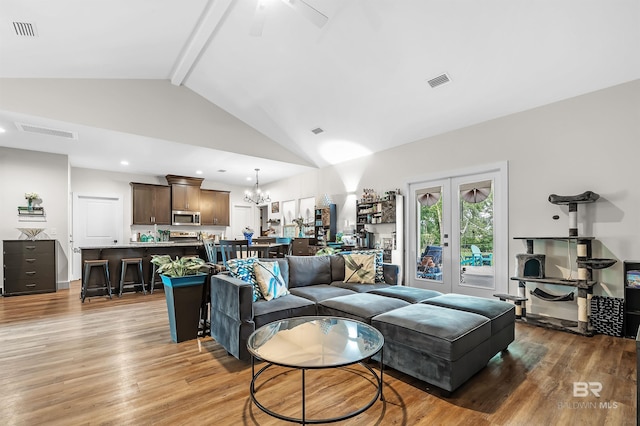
(300, 6)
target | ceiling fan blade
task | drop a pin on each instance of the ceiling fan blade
(309, 12)
(259, 17)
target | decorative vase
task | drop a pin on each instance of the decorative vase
(301, 233)
(29, 204)
(248, 236)
(184, 297)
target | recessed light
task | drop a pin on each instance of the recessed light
(124, 162)
(248, 177)
(221, 171)
(2, 130)
(198, 172)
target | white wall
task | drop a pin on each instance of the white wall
(98, 182)
(48, 176)
(590, 142)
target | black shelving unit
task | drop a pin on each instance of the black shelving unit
(631, 299)
(326, 220)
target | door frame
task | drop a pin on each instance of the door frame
(501, 229)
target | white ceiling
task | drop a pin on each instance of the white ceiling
(362, 77)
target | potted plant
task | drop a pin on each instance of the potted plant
(183, 282)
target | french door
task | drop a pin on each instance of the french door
(458, 236)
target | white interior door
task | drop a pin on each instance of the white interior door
(243, 216)
(97, 221)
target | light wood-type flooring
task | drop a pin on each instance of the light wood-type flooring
(112, 362)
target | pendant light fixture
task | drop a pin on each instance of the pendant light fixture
(256, 196)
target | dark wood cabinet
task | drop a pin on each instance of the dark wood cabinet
(185, 198)
(214, 207)
(151, 204)
(631, 297)
(29, 266)
(185, 193)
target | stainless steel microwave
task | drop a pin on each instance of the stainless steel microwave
(179, 217)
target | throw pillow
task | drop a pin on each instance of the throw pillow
(243, 269)
(270, 280)
(359, 268)
(379, 260)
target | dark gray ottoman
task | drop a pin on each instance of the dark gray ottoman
(408, 294)
(502, 315)
(359, 306)
(441, 346)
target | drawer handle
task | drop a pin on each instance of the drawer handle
(30, 272)
(30, 247)
(30, 260)
(30, 285)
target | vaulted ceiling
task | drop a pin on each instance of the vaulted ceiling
(280, 69)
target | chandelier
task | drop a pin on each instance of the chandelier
(256, 196)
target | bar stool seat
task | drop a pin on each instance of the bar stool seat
(88, 267)
(131, 261)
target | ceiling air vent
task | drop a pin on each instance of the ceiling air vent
(317, 131)
(439, 81)
(46, 131)
(25, 29)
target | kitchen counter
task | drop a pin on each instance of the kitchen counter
(115, 253)
(139, 244)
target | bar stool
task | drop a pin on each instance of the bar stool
(131, 261)
(88, 267)
(154, 271)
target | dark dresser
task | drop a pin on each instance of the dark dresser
(29, 266)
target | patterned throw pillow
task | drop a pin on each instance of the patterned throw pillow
(243, 270)
(379, 256)
(270, 280)
(359, 268)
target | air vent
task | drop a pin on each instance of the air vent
(317, 131)
(46, 131)
(25, 29)
(439, 81)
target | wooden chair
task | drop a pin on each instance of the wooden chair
(211, 250)
(234, 249)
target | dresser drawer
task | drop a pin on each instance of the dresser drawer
(28, 248)
(26, 286)
(29, 260)
(30, 270)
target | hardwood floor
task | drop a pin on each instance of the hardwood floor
(112, 362)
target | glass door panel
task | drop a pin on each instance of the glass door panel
(476, 234)
(430, 239)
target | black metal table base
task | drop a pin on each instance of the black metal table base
(303, 420)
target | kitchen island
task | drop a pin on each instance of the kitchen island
(115, 253)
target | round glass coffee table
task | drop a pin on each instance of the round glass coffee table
(307, 343)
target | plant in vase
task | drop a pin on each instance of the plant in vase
(248, 234)
(180, 267)
(183, 283)
(300, 223)
(30, 196)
